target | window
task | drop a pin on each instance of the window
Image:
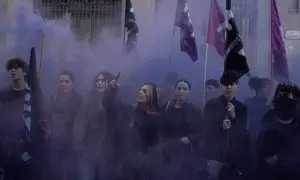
(293, 6)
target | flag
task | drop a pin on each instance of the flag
(216, 27)
(187, 35)
(280, 68)
(32, 75)
(235, 58)
(31, 134)
(131, 27)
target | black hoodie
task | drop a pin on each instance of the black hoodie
(282, 140)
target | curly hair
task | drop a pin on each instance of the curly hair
(16, 63)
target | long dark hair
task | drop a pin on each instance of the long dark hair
(93, 94)
(107, 77)
(154, 97)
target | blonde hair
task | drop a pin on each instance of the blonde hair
(154, 96)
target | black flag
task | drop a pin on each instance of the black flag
(32, 137)
(187, 35)
(235, 58)
(130, 27)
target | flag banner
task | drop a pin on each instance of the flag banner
(235, 58)
(216, 27)
(30, 134)
(280, 69)
(187, 35)
(131, 27)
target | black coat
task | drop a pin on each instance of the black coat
(231, 146)
(181, 161)
(282, 140)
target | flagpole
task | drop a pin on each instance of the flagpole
(205, 72)
(123, 29)
(42, 55)
(271, 54)
(171, 46)
(228, 133)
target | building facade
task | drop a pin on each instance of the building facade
(290, 17)
(88, 17)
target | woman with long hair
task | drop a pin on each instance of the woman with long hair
(95, 129)
(145, 125)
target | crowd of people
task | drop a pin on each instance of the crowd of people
(161, 137)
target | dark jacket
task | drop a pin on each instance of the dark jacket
(61, 116)
(282, 140)
(180, 160)
(11, 127)
(230, 146)
(95, 128)
(145, 153)
(181, 122)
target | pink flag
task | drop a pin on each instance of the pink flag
(216, 27)
(280, 69)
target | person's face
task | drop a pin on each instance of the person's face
(211, 92)
(230, 90)
(101, 83)
(65, 83)
(143, 95)
(17, 73)
(182, 91)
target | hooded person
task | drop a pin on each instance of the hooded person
(279, 138)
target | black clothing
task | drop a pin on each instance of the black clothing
(61, 117)
(231, 146)
(148, 128)
(282, 140)
(144, 157)
(180, 160)
(11, 126)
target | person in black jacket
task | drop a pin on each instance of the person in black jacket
(144, 156)
(226, 138)
(181, 121)
(279, 139)
(62, 111)
(14, 140)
